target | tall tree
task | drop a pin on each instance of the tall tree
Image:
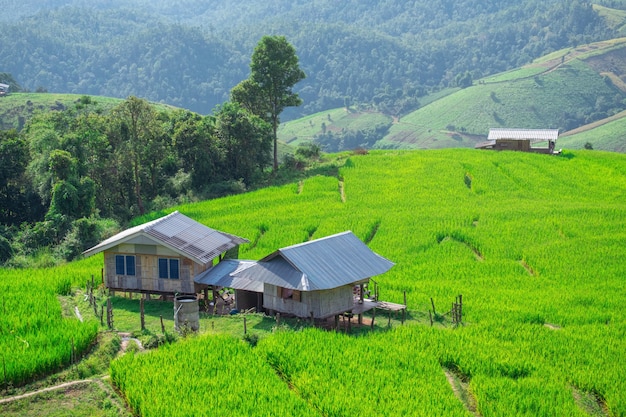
(139, 143)
(246, 140)
(17, 199)
(274, 70)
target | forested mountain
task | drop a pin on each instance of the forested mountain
(191, 53)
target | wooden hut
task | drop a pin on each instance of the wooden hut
(4, 89)
(163, 256)
(524, 140)
(317, 278)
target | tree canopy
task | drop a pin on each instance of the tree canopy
(269, 89)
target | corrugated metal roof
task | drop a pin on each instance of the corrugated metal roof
(534, 135)
(224, 275)
(320, 264)
(179, 233)
(279, 272)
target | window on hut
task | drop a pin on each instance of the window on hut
(289, 294)
(169, 268)
(125, 265)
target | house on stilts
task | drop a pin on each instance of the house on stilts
(163, 256)
(317, 279)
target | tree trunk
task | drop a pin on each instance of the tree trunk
(138, 187)
(275, 126)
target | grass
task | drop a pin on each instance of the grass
(90, 398)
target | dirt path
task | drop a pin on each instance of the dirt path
(126, 339)
(55, 387)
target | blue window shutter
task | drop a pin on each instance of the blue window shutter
(174, 268)
(130, 265)
(119, 265)
(163, 268)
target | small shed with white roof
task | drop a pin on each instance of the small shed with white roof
(525, 140)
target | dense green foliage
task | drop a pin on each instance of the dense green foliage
(67, 170)
(385, 53)
(534, 243)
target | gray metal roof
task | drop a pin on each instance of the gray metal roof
(224, 275)
(321, 264)
(534, 135)
(180, 234)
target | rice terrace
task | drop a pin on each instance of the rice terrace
(535, 244)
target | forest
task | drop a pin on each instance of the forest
(385, 54)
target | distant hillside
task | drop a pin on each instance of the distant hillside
(386, 54)
(607, 134)
(568, 89)
(17, 108)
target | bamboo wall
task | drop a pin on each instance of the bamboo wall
(146, 278)
(323, 304)
(512, 145)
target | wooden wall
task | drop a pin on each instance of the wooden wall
(512, 145)
(146, 278)
(323, 304)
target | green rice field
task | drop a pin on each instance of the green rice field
(535, 244)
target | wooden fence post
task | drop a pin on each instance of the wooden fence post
(4, 368)
(245, 327)
(143, 319)
(109, 314)
(72, 354)
(404, 310)
(373, 317)
(162, 325)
